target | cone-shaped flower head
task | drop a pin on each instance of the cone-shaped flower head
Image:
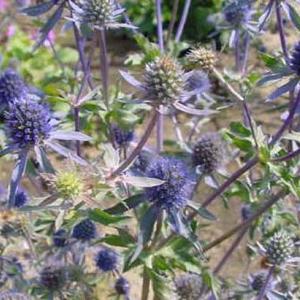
(28, 123)
(53, 277)
(208, 153)
(122, 286)
(279, 248)
(177, 186)
(107, 260)
(85, 230)
(237, 12)
(188, 287)
(202, 58)
(164, 80)
(295, 59)
(97, 13)
(12, 87)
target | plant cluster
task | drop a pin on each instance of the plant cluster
(95, 188)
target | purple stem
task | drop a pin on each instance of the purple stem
(104, 65)
(237, 51)
(160, 120)
(230, 251)
(264, 288)
(138, 148)
(173, 19)
(288, 156)
(287, 121)
(281, 31)
(183, 19)
(246, 54)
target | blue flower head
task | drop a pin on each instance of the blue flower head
(21, 198)
(85, 230)
(12, 87)
(178, 182)
(122, 286)
(60, 238)
(295, 59)
(107, 260)
(237, 12)
(27, 123)
(53, 277)
(121, 136)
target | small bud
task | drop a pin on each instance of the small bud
(122, 286)
(68, 184)
(202, 58)
(188, 287)
(107, 260)
(60, 238)
(295, 59)
(208, 153)
(53, 278)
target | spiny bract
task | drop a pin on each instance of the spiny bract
(164, 80)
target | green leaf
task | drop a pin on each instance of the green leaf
(118, 240)
(105, 218)
(295, 18)
(126, 205)
(239, 129)
(202, 211)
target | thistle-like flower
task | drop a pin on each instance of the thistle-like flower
(246, 212)
(208, 153)
(177, 187)
(164, 80)
(98, 14)
(12, 87)
(258, 280)
(60, 238)
(28, 124)
(107, 260)
(84, 230)
(53, 277)
(166, 83)
(295, 59)
(122, 286)
(279, 248)
(202, 58)
(238, 12)
(188, 286)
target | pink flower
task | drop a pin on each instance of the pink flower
(3, 5)
(11, 30)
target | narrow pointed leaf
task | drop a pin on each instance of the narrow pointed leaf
(146, 229)
(289, 86)
(102, 217)
(70, 136)
(202, 212)
(39, 9)
(48, 27)
(295, 18)
(66, 152)
(44, 162)
(142, 182)
(17, 176)
(194, 111)
(131, 80)
(126, 205)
